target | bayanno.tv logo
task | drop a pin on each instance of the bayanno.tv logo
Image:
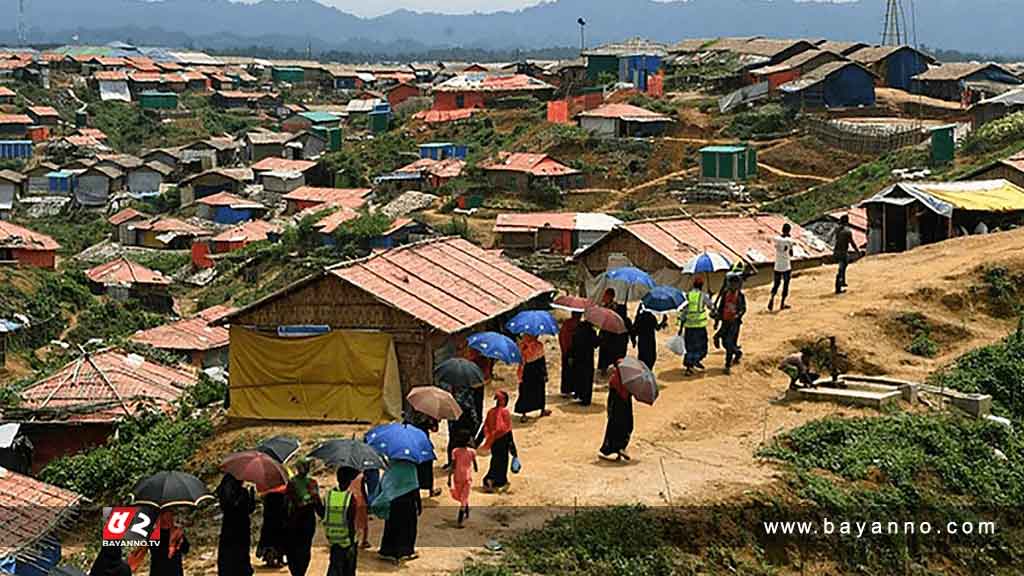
(130, 526)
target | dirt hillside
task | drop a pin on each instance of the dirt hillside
(697, 444)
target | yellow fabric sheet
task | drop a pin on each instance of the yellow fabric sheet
(1004, 198)
(340, 376)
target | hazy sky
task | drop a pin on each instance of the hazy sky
(378, 7)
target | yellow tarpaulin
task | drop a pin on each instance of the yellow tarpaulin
(993, 196)
(338, 376)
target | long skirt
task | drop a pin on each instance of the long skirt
(399, 539)
(620, 424)
(696, 346)
(273, 542)
(532, 390)
(301, 529)
(647, 350)
(566, 385)
(425, 474)
(342, 561)
(233, 546)
(497, 472)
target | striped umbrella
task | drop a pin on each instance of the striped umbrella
(706, 263)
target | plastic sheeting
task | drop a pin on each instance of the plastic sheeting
(341, 376)
(115, 90)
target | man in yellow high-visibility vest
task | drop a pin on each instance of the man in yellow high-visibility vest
(693, 325)
(340, 525)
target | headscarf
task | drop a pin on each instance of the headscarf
(301, 482)
(345, 476)
(399, 479)
(531, 349)
(231, 494)
(499, 420)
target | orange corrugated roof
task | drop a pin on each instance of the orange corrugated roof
(229, 199)
(354, 198)
(534, 164)
(251, 231)
(623, 111)
(30, 509)
(106, 387)
(164, 224)
(189, 334)
(14, 236)
(126, 215)
(447, 168)
(535, 220)
(449, 284)
(330, 223)
(124, 272)
(15, 119)
(274, 164)
(110, 75)
(438, 116)
(5, 91)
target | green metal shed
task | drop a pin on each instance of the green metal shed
(292, 75)
(943, 145)
(737, 162)
(602, 64)
(158, 100)
(332, 135)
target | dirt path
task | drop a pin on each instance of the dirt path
(784, 174)
(698, 442)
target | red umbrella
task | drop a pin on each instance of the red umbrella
(605, 319)
(571, 303)
(638, 379)
(256, 467)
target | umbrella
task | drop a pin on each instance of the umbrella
(348, 453)
(571, 303)
(280, 447)
(664, 299)
(458, 373)
(638, 379)
(401, 442)
(165, 489)
(497, 346)
(605, 319)
(533, 322)
(260, 468)
(66, 571)
(706, 263)
(434, 402)
(631, 278)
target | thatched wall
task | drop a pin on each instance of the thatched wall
(619, 241)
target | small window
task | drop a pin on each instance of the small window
(460, 101)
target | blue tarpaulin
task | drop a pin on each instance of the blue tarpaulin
(850, 86)
(229, 215)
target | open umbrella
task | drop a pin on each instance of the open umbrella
(533, 322)
(664, 299)
(66, 571)
(434, 402)
(707, 263)
(401, 442)
(350, 453)
(280, 447)
(571, 303)
(455, 373)
(496, 346)
(634, 280)
(166, 489)
(605, 319)
(260, 468)
(638, 379)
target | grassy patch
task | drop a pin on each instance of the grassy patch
(74, 231)
(768, 119)
(110, 320)
(997, 370)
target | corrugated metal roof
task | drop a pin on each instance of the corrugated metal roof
(944, 197)
(12, 176)
(30, 510)
(351, 197)
(126, 215)
(533, 164)
(229, 199)
(450, 284)
(14, 236)
(251, 231)
(531, 221)
(124, 272)
(747, 237)
(317, 116)
(7, 92)
(106, 387)
(283, 165)
(329, 224)
(482, 82)
(165, 224)
(189, 334)
(957, 70)
(632, 47)
(447, 168)
(626, 112)
(15, 119)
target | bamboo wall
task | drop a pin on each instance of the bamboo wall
(866, 139)
(618, 241)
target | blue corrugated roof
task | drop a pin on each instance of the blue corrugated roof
(318, 117)
(723, 149)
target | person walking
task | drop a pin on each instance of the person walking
(340, 525)
(606, 351)
(533, 378)
(565, 336)
(304, 505)
(168, 557)
(399, 504)
(584, 341)
(693, 325)
(272, 544)
(496, 436)
(425, 470)
(841, 251)
(619, 426)
(783, 267)
(486, 366)
(732, 306)
(645, 326)
(110, 562)
(236, 504)
(463, 466)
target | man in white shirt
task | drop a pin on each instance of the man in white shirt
(783, 267)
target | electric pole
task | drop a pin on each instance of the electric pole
(894, 29)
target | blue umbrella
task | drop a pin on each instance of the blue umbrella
(533, 322)
(631, 278)
(401, 442)
(706, 263)
(664, 299)
(497, 346)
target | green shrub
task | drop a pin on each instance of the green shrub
(997, 370)
(767, 119)
(110, 319)
(456, 226)
(923, 345)
(995, 134)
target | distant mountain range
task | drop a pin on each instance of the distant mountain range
(980, 26)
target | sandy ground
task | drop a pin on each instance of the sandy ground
(698, 443)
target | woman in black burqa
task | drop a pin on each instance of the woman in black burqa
(236, 505)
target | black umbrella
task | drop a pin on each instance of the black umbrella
(281, 448)
(456, 373)
(66, 571)
(166, 489)
(348, 452)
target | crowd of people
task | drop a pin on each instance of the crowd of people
(290, 516)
